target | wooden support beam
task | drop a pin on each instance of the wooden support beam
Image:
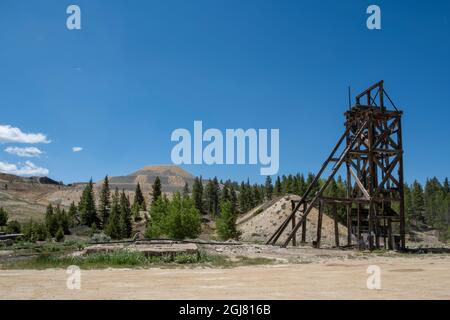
(336, 226)
(319, 225)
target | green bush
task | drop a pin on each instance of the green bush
(226, 223)
(59, 237)
(177, 218)
(13, 227)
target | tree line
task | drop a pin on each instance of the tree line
(181, 215)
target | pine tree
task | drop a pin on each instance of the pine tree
(125, 216)
(225, 194)
(446, 185)
(418, 202)
(113, 226)
(156, 189)
(139, 198)
(105, 201)
(186, 190)
(138, 203)
(72, 215)
(278, 187)
(233, 200)
(243, 198)
(302, 185)
(51, 221)
(212, 197)
(197, 194)
(86, 206)
(257, 195)
(268, 188)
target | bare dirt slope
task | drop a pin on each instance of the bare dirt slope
(26, 198)
(260, 223)
(418, 277)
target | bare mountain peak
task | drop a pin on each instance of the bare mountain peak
(162, 171)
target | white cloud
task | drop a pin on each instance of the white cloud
(27, 169)
(29, 152)
(77, 149)
(12, 134)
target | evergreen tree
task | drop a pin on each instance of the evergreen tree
(72, 215)
(302, 185)
(156, 189)
(212, 197)
(51, 221)
(138, 203)
(257, 195)
(139, 198)
(225, 194)
(418, 202)
(3, 217)
(86, 206)
(278, 187)
(113, 226)
(197, 194)
(186, 190)
(268, 188)
(125, 216)
(243, 198)
(446, 186)
(105, 201)
(233, 200)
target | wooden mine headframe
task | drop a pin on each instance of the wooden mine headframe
(372, 154)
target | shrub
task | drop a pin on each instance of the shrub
(59, 237)
(226, 223)
(100, 237)
(13, 227)
(40, 231)
(177, 218)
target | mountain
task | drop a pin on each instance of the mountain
(25, 197)
(173, 178)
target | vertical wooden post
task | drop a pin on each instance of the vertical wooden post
(372, 185)
(358, 227)
(294, 238)
(319, 225)
(336, 226)
(304, 226)
(401, 187)
(349, 194)
(390, 244)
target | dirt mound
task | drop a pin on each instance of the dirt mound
(260, 223)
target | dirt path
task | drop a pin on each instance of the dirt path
(425, 277)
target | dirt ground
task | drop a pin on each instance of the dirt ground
(342, 277)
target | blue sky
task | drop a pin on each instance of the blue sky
(137, 70)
